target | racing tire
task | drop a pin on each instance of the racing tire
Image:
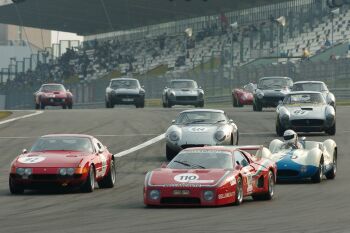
(64, 106)
(279, 129)
(239, 192)
(42, 106)
(259, 107)
(234, 101)
(109, 180)
(89, 184)
(170, 153)
(271, 189)
(164, 104)
(330, 175)
(37, 106)
(331, 131)
(70, 106)
(200, 104)
(317, 177)
(237, 135)
(15, 189)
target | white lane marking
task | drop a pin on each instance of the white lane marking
(141, 146)
(21, 117)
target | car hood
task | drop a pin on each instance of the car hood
(50, 159)
(185, 92)
(290, 156)
(306, 111)
(127, 91)
(54, 94)
(275, 92)
(183, 177)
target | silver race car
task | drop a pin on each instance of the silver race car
(305, 111)
(316, 86)
(197, 128)
(309, 160)
(182, 92)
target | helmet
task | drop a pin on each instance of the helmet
(290, 136)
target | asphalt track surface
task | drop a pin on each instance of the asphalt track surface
(300, 207)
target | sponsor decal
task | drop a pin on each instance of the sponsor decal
(183, 185)
(198, 129)
(226, 195)
(190, 178)
(30, 160)
(300, 112)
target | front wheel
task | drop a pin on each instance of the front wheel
(170, 153)
(15, 188)
(270, 189)
(317, 177)
(234, 101)
(331, 130)
(109, 180)
(89, 184)
(239, 192)
(279, 128)
(37, 106)
(70, 106)
(330, 175)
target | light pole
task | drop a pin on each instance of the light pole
(281, 23)
(333, 12)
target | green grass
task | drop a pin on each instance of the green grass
(4, 114)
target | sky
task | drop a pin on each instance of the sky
(56, 36)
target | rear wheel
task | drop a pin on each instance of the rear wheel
(259, 107)
(15, 188)
(42, 106)
(271, 189)
(170, 153)
(70, 106)
(89, 184)
(234, 100)
(109, 180)
(332, 173)
(239, 192)
(64, 106)
(317, 177)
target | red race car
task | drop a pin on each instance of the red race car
(63, 160)
(212, 176)
(243, 96)
(53, 95)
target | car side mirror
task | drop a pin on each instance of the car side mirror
(163, 165)
(68, 90)
(238, 166)
(173, 122)
(24, 151)
(303, 138)
(165, 87)
(100, 151)
(230, 121)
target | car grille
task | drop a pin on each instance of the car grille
(184, 98)
(47, 177)
(287, 173)
(273, 99)
(191, 145)
(307, 122)
(180, 201)
(56, 100)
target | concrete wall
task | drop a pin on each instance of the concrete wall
(7, 52)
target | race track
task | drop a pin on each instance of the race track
(302, 207)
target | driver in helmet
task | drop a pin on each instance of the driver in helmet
(290, 138)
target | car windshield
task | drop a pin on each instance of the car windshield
(250, 87)
(200, 117)
(309, 87)
(128, 84)
(202, 159)
(274, 83)
(63, 143)
(314, 98)
(179, 84)
(51, 88)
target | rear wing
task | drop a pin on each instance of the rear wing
(258, 151)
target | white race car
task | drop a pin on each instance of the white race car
(311, 160)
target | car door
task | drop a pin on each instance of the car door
(101, 159)
(247, 171)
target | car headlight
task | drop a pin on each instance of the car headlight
(200, 93)
(154, 195)
(174, 136)
(62, 171)
(208, 195)
(70, 171)
(220, 135)
(20, 171)
(28, 171)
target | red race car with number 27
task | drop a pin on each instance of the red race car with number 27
(212, 176)
(63, 160)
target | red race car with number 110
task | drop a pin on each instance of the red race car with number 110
(212, 176)
(63, 160)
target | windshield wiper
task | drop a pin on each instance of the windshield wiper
(220, 121)
(189, 164)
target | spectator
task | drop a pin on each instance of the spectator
(306, 54)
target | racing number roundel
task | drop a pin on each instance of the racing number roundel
(186, 177)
